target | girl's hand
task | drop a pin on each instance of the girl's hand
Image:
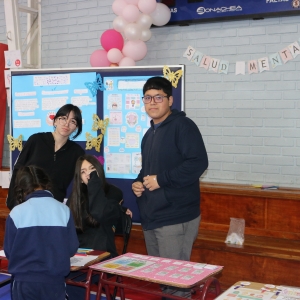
(129, 212)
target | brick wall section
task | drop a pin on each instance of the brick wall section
(250, 123)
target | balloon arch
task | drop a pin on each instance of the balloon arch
(125, 44)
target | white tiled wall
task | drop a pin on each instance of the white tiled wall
(250, 123)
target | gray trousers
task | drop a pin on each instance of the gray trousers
(173, 241)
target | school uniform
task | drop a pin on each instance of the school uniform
(40, 238)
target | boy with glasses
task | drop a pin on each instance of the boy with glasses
(167, 187)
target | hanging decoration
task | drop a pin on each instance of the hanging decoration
(15, 143)
(173, 77)
(253, 66)
(133, 22)
(92, 142)
(93, 87)
(100, 124)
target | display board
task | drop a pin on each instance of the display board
(114, 117)
(194, 11)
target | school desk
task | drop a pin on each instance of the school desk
(94, 255)
(146, 270)
(244, 290)
(77, 272)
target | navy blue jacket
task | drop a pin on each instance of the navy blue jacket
(40, 238)
(175, 152)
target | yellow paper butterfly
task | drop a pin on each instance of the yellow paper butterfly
(172, 76)
(99, 124)
(93, 142)
(15, 143)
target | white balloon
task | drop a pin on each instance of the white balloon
(161, 15)
(146, 35)
(119, 24)
(132, 32)
(145, 21)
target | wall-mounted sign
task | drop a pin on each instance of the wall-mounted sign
(194, 11)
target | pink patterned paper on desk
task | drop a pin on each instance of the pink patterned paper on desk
(158, 269)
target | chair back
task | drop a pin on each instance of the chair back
(124, 229)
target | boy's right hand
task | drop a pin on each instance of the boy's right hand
(138, 188)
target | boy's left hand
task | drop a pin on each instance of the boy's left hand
(150, 182)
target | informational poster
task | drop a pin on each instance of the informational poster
(128, 122)
(114, 118)
(37, 98)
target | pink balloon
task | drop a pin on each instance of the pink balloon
(118, 6)
(136, 50)
(130, 13)
(135, 2)
(126, 61)
(99, 58)
(161, 15)
(114, 55)
(147, 6)
(111, 39)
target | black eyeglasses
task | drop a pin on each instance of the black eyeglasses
(156, 98)
(64, 121)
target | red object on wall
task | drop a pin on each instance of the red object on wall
(3, 47)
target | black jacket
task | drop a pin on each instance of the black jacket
(175, 152)
(60, 165)
(107, 212)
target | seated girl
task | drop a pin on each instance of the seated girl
(95, 206)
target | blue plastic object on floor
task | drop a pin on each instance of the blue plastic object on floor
(5, 292)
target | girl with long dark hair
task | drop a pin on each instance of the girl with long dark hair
(95, 206)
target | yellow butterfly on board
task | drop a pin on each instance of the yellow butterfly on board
(99, 124)
(15, 143)
(92, 142)
(173, 77)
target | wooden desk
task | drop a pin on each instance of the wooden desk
(71, 279)
(101, 255)
(82, 276)
(149, 269)
(259, 291)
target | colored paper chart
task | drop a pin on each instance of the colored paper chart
(157, 269)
